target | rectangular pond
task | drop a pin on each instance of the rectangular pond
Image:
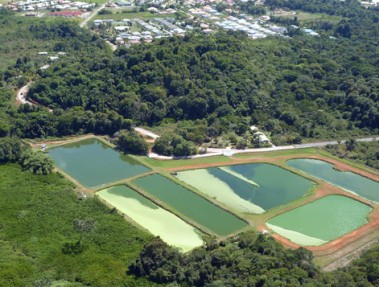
(321, 221)
(157, 220)
(250, 188)
(349, 181)
(190, 204)
(93, 163)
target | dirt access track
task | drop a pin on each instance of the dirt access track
(336, 253)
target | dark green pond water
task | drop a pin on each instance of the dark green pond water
(190, 204)
(322, 220)
(264, 185)
(350, 181)
(93, 163)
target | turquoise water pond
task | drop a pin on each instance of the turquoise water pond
(349, 181)
(252, 188)
(93, 163)
(321, 221)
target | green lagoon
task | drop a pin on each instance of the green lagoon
(157, 220)
(349, 181)
(190, 204)
(250, 188)
(321, 221)
(93, 163)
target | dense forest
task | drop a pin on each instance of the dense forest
(250, 259)
(294, 88)
(52, 236)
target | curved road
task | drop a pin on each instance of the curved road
(20, 97)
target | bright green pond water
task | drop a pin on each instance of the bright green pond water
(158, 221)
(321, 221)
(190, 204)
(251, 188)
(350, 181)
(93, 163)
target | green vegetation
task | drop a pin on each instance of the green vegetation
(36, 162)
(207, 87)
(48, 234)
(116, 15)
(19, 45)
(303, 87)
(183, 162)
(363, 152)
(10, 149)
(169, 144)
(131, 142)
(248, 260)
(306, 19)
(13, 150)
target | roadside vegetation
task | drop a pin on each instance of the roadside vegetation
(363, 152)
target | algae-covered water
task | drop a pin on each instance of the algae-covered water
(349, 181)
(251, 188)
(190, 204)
(321, 221)
(93, 163)
(158, 221)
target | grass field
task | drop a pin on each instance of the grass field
(181, 162)
(310, 151)
(306, 18)
(119, 15)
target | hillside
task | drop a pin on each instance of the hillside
(297, 88)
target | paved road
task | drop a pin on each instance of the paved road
(146, 133)
(21, 97)
(230, 152)
(92, 15)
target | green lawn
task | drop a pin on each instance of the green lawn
(96, 1)
(119, 15)
(279, 153)
(38, 235)
(181, 162)
(305, 17)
